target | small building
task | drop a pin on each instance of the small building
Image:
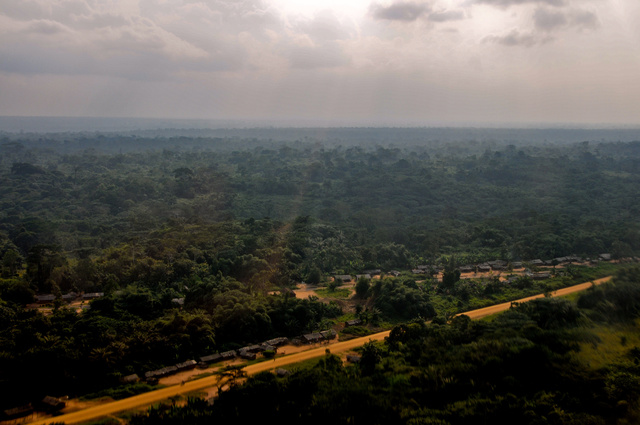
(189, 364)
(353, 322)
(247, 355)
(47, 298)
(228, 355)
(178, 301)
(212, 358)
(70, 296)
(92, 295)
(159, 373)
(19, 411)
(484, 268)
(353, 358)
(150, 374)
(395, 273)
(252, 348)
(53, 404)
(169, 370)
(605, 257)
(329, 334)
(130, 379)
(365, 276)
(342, 278)
(276, 342)
(312, 338)
(373, 272)
(536, 262)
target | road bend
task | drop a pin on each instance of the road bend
(156, 396)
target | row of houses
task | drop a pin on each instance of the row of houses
(500, 265)
(248, 352)
(165, 371)
(367, 274)
(71, 296)
(495, 265)
(47, 404)
(316, 337)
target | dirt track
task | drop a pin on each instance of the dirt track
(156, 396)
(488, 311)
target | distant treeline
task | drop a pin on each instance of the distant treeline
(409, 200)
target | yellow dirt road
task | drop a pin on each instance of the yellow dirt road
(488, 311)
(156, 396)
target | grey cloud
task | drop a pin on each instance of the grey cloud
(76, 14)
(46, 27)
(400, 11)
(584, 19)
(61, 11)
(151, 65)
(132, 41)
(517, 39)
(447, 15)
(23, 10)
(507, 3)
(546, 20)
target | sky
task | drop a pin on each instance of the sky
(348, 62)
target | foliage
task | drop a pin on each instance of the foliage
(395, 299)
(189, 239)
(519, 368)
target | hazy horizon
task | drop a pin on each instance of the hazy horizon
(55, 124)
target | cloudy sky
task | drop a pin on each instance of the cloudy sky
(350, 61)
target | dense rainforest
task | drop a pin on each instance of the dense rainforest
(229, 225)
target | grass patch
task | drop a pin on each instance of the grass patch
(123, 391)
(340, 293)
(353, 332)
(615, 342)
(345, 317)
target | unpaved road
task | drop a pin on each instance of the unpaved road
(488, 311)
(156, 396)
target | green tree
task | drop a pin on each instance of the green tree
(362, 288)
(451, 273)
